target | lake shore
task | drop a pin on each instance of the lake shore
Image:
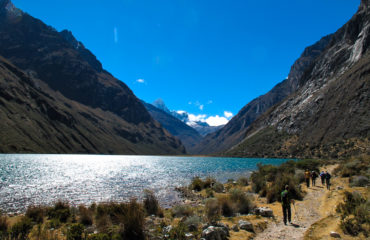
(207, 206)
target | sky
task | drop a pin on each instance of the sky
(208, 58)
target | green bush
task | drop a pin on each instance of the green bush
(355, 218)
(242, 203)
(209, 182)
(182, 211)
(218, 187)
(359, 181)
(178, 232)
(243, 181)
(60, 211)
(226, 206)
(4, 225)
(209, 193)
(310, 164)
(192, 223)
(21, 229)
(133, 221)
(85, 215)
(98, 236)
(196, 184)
(275, 189)
(212, 210)
(151, 203)
(75, 231)
(36, 213)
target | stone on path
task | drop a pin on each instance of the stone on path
(245, 225)
(215, 233)
(334, 234)
(264, 212)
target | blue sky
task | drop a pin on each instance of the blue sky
(204, 57)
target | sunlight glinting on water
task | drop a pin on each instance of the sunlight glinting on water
(34, 179)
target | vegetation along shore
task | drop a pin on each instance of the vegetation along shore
(246, 208)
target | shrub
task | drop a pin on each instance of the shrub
(192, 223)
(60, 211)
(242, 203)
(85, 215)
(133, 221)
(4, 225)
(103, 223)
(209, 193)
(299, 175)
(212, 210)
(196, 184)
(243, 181)
(182, 211)
(218, 187)
(75, 231)
(275, 189)
(226, 206)
(359, 181)
(36, 213)
(310, 164)
(354, 214)
(151, 204)
(209, 182)
(21, 229)
(53, 223)
(99, 236)
(178, 232)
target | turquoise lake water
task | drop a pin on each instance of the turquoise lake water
(34, 179)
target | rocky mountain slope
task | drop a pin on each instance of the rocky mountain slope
(74, 73)
(328, 115)
(233, 132)
(188, 136)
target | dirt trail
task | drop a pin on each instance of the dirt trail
(304, 214)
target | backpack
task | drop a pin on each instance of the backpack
(285, 197)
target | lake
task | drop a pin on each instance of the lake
(34, 179)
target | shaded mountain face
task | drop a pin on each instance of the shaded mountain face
(188, 136)
(234, 131)
(36, 119)
(328, 115)
(70, 70)
(66, 67)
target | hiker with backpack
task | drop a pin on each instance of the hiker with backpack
(327, 179)
(285, 201)
(314, 175)
(322, 176)
(307, 176)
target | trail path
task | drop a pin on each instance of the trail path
(305, 213)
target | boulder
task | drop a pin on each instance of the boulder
(245, 225)
(235, 228)
(264, 212)
(215, 233)
(167, 229)
(189, 235)
(334, 234)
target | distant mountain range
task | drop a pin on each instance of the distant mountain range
(320, 110)
(58, 98)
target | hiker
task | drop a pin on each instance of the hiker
(285, 201)
(322, 175)
(327, 179)
(313, 177)
(307, 175)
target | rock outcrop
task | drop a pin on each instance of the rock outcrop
(328, 115)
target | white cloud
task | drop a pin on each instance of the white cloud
(201, 107)
(197, 118)
(115, 34)
(228, 114)
(181, 111)
(140, 80)
(216, 120)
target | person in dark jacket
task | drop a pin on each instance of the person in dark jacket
(322, 176)
(285, 201)
(314, 175)
(327, 180)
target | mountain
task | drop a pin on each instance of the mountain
(71, 72)
(188, 136)
(328, 115)
(202, 128)
(234, 131)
